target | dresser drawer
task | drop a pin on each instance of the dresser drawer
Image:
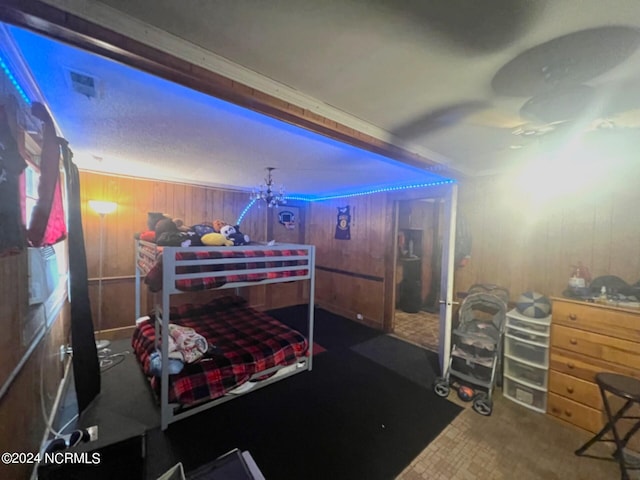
(583, 366)
(596, 318)
(575, 389)
(573, 412)
(610, 349)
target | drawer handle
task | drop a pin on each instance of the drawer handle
(570, 389)
(555, 410)
(567, 413)
(573, 341)
(573, 316)
(571, 365)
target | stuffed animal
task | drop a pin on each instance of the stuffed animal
(203, 228)
(181, 226)
(218, 224)
(247, 239)
(165, 231)
(153, 218)
(166, 225)
(176, 239)
(148, 236)
(161, 223)
(233, 233)
(215, 239)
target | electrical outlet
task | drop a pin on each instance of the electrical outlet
(359, 316)
(64, 350)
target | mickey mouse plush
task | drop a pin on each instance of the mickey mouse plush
(233, 233)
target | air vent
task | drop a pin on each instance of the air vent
(83, 84)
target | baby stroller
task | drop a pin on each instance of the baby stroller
(476, 346)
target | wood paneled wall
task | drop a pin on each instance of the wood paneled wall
(513, 245)
(525, 248)
(193, 204)
(14, 305)
(291, 293)
(350, 275)
(358, 276)
(22, 422)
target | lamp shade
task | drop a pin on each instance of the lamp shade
(102, 207)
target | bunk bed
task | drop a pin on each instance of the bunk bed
(258, 349)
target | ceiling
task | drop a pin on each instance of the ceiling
(476, 86)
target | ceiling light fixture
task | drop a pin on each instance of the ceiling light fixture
(266, 192)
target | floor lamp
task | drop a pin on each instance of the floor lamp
(101, 208)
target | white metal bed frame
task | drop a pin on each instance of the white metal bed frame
(173, 412)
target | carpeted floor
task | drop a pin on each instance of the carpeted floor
(361, 413)
(331, 331)
(349, 418)
(415, 363)
(365, 411)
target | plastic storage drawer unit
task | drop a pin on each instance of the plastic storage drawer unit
(536, 376)
(541, 326)
(526, 360)
(526, 334)
(526, 351)
(525, 395)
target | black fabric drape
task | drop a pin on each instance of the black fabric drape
(86, 366)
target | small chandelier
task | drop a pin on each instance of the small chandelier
(265, 192)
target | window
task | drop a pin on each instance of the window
(31, 180)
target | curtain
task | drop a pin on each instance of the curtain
(47, 224)
(86, 366)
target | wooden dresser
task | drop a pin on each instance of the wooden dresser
(587, 338)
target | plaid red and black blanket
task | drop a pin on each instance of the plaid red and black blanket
(256, 259)
(243, 342)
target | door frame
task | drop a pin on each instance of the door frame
(448, 193)
(447, 275)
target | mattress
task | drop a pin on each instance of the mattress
(246, 342)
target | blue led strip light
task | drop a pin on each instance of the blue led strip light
(385, 189)
(244, 212)
(346, 195)
(13, 80)
(302, 198)
(252, 202)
